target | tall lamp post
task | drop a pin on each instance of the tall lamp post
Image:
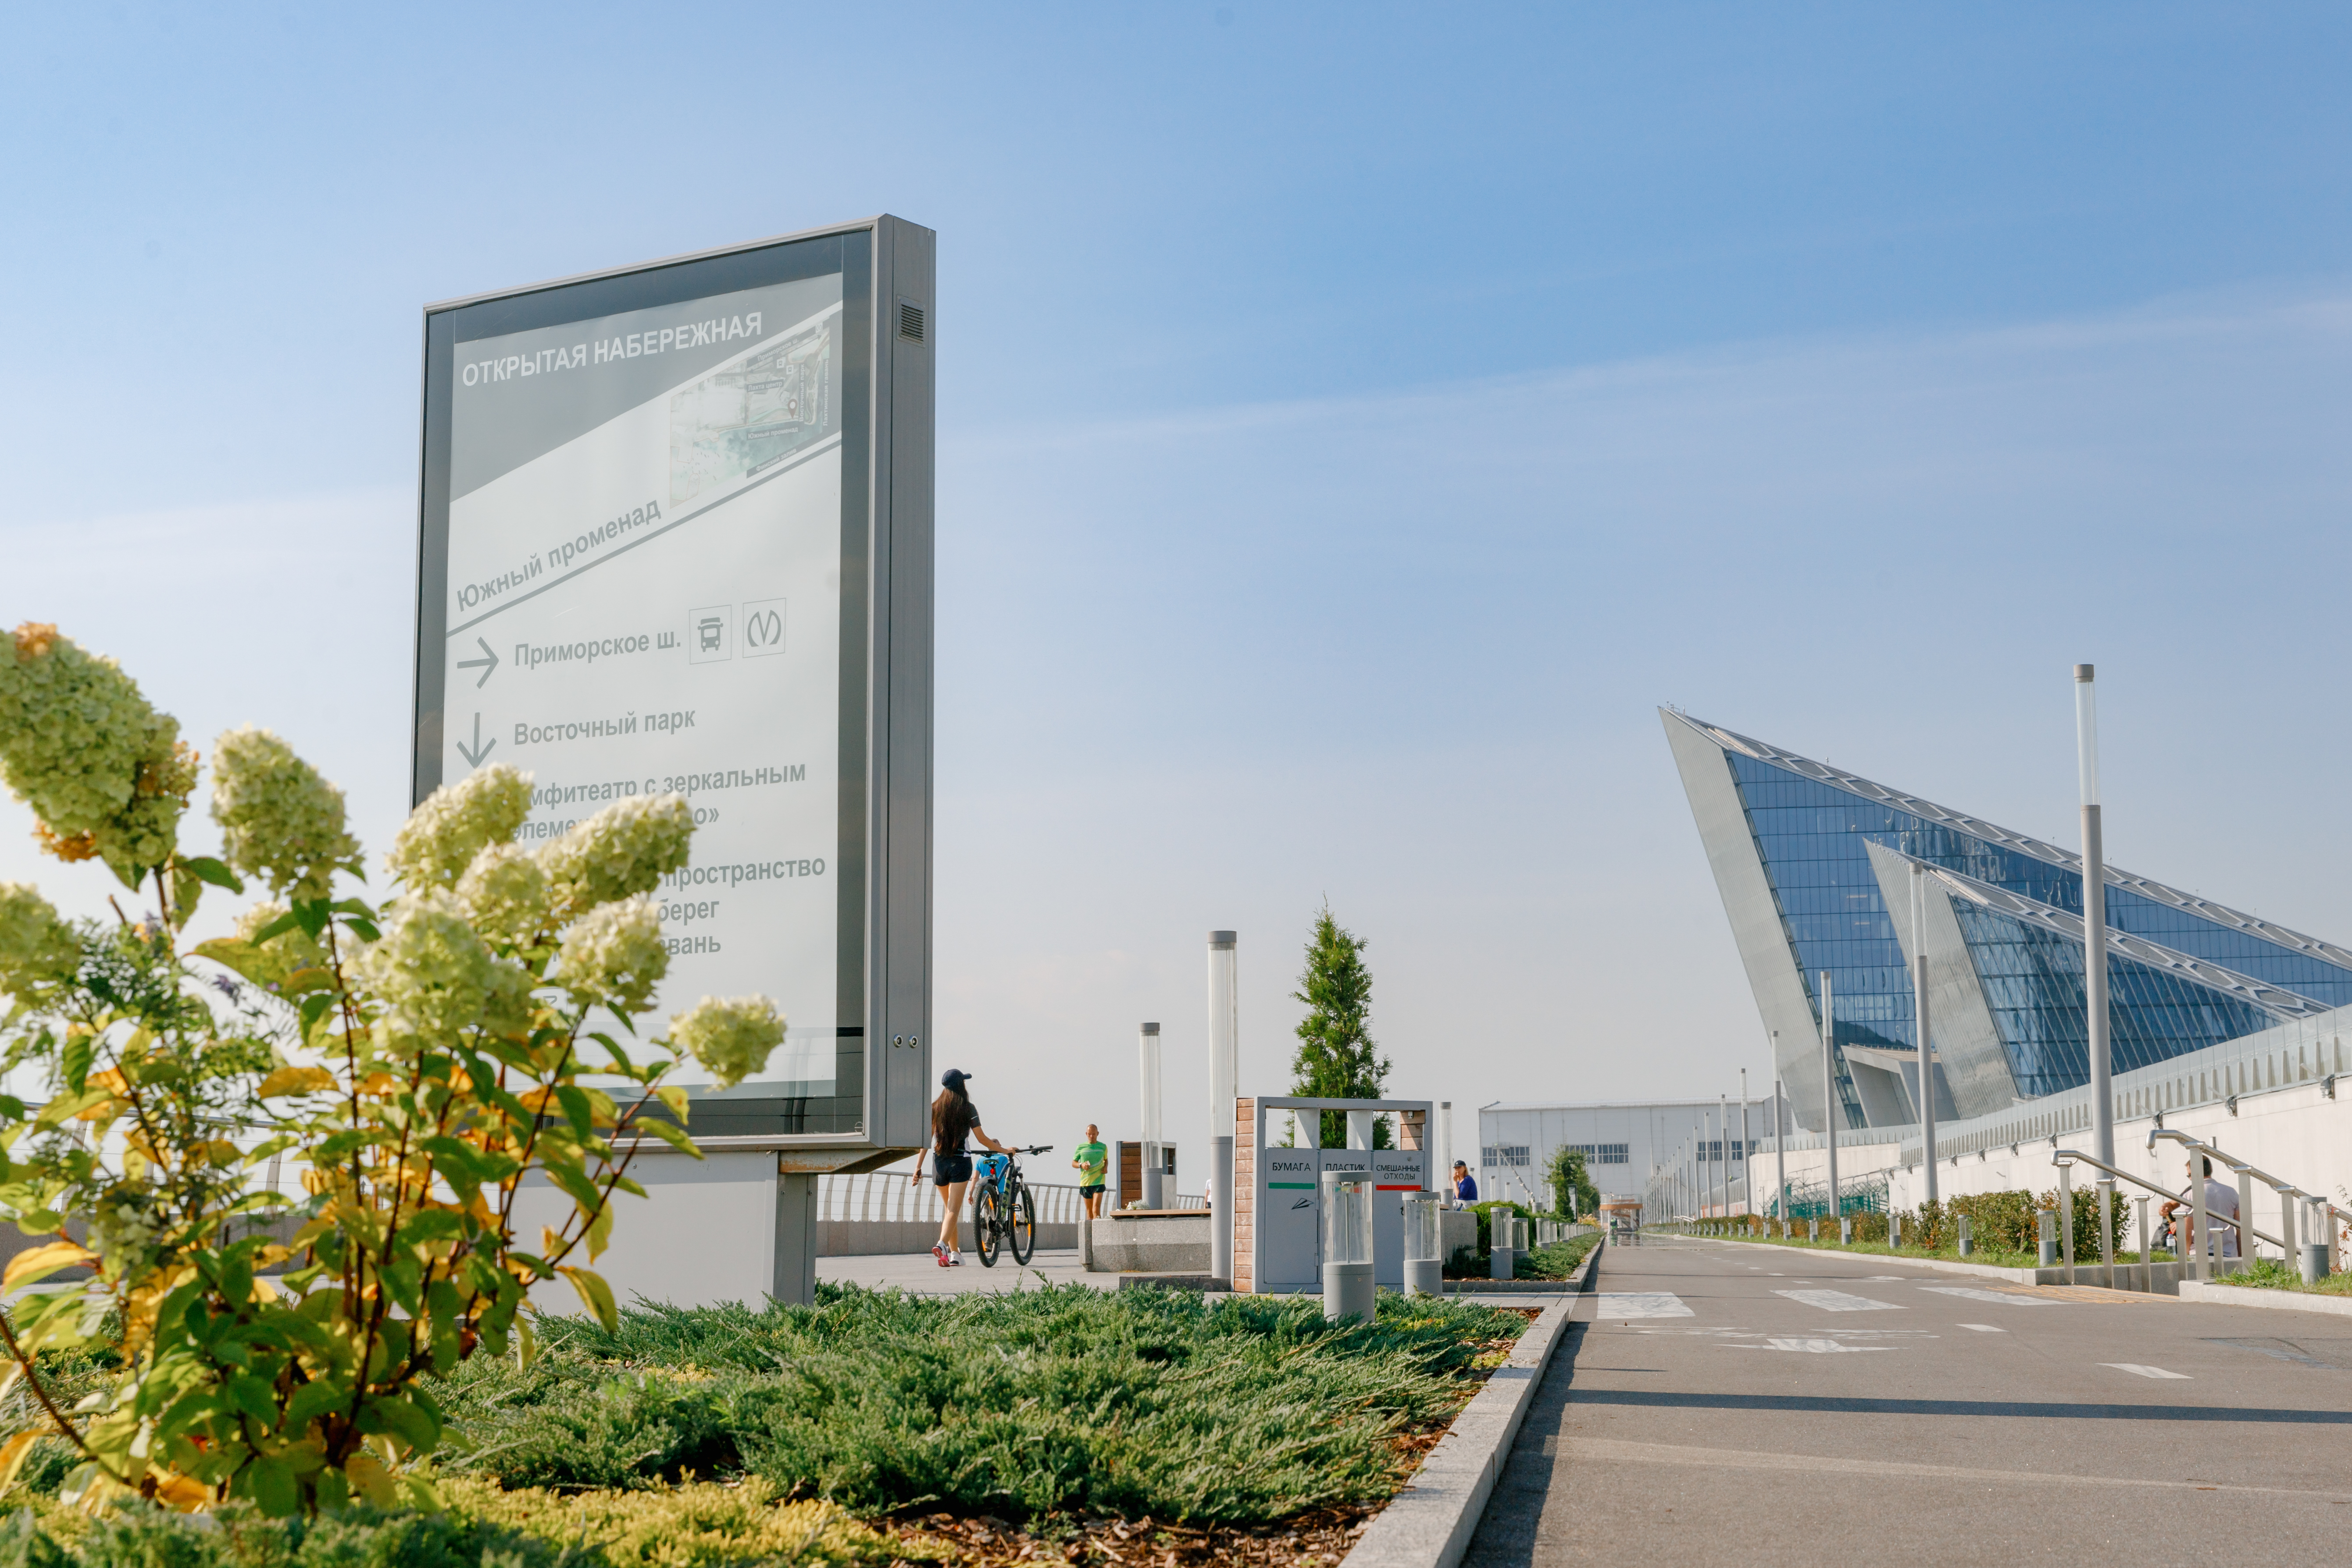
(2095, 914)
(1779, 1158)
(1828, 1095)
(1225, 1069)
(1746, 1149)
(1723, 1152)
(1919, 998)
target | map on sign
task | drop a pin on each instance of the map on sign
(644, 596)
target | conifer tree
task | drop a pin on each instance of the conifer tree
(1337, 1059)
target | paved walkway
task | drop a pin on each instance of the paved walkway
(919, 1271)
(1717, 1403)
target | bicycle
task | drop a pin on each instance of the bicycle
(1002, 1207)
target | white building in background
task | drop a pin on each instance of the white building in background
(1624, 1144)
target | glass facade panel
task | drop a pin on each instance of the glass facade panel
(2032, 979)
(1812, 839)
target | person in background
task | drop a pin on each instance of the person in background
(955, 1121)
(1092, 1163)
(2220, 1208)
(1465, 1185)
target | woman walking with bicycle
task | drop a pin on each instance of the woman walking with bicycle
(955, 1121)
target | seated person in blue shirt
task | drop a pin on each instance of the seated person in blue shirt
(1465, 1185)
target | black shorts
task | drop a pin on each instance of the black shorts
(947, 1169)
(1095, 1191)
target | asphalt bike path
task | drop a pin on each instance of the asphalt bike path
(1769, 1405)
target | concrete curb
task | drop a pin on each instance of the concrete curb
(1429, 1524)
(2256, 1296)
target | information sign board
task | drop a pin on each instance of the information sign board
(676, 536)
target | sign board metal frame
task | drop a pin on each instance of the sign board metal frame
(882, 861)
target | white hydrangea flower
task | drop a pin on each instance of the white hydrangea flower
(103, 771)
(505, 893)
(457, 822)
(37, 948)
(286, 951)
(279, 820)
(614, 955)
(436, 976)
(732, 1038)
(623, 850)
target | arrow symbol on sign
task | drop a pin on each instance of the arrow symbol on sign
(488, 665)
(480, 748)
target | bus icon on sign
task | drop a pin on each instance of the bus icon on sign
(710, 633)
(764, 629)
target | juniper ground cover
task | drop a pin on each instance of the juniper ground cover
(714, 1438)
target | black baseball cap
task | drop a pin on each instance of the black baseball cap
(954, 1078)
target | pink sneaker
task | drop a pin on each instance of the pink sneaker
(940, 1253)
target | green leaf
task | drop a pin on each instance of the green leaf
(600, 1231)
(577, 1109)
(400, 1418)
(312, 1401)
(364, 929)
(595, 1294)
(253, 1396)
(279, 927)
(303, 981)
(212, 871)
(674, 1136)
(75, 1062)
(270, 1483)
(575, 1183)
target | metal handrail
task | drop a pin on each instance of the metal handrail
(2061, 1156)
(2276, 1183)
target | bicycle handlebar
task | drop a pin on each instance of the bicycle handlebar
(1038, 1149)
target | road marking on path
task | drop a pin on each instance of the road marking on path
(1984, 1328)
(2134, 1367)
(1839, 1301)
(1640, 1304)
(1997, 1297)
(1617, 1451)
(1817, 1347)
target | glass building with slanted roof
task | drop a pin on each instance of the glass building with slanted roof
(1817, 868)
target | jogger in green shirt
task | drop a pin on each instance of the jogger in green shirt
(1093, 1162)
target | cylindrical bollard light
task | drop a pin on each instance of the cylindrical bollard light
(2048, 1225)
(1424, 1261)
(1845, 1231)
(1348, 1246)
(2106, 1192)
(2147, 1249)
(1147, 1067)
(1968, 1242)
(2066, 1218)
(1224, 1070)
(1893, 1232)
(1812, 1230)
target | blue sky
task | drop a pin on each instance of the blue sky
(1354, 421)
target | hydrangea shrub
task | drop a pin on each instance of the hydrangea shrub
(419, 1059)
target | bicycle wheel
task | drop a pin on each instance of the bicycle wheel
(1024, 1227)
(987, 1227)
